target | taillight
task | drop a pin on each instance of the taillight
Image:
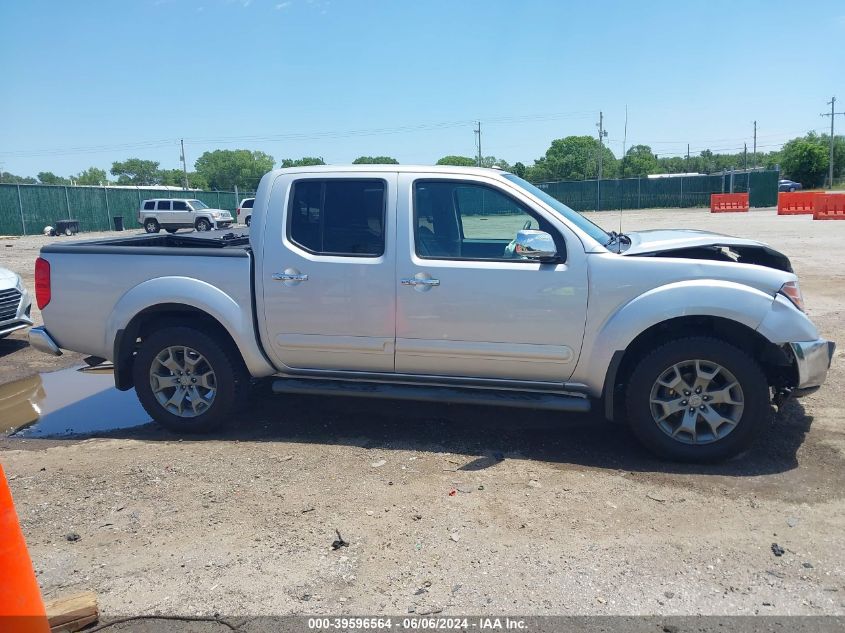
(238, 211)
(42, 282)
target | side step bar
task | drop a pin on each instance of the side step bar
(451, 395)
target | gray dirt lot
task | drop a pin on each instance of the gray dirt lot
(575, 519)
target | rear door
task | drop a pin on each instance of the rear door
(164, 212)
(328, 272)
(181, 213)
(467, 306)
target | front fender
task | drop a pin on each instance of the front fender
(699, 297)
(237, 320)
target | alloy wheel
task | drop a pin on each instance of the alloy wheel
(183, 381)
(696, 402)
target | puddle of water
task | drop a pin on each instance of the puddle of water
(67, 402)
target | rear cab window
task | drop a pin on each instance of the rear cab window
(338, 217)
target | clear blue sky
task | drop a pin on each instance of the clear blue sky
(89, 82)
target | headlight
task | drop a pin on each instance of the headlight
(791, 291)
(19, 284)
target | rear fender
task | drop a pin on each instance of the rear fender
(236, 320)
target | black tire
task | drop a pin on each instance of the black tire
(231, 378)
(151, 225)
(171, 231)
(203, 225)
(747, 372)
(791, 189)
(248, 219)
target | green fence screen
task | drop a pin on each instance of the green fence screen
(27, 209)
(679, 191)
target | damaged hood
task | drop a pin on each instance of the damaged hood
(693, 244)
(670, 239)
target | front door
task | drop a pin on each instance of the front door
(467, 306)
(328, 271)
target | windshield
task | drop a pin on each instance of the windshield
(593, 230)
(198, 205)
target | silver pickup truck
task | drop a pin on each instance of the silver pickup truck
(455, 284)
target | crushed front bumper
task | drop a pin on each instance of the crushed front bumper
(812, 359)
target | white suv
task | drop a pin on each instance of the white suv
(245, 210)
(172, 214)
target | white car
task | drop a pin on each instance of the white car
(172, 214)
(15, 303)
(245, 210)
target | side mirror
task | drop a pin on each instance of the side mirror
(535, 245)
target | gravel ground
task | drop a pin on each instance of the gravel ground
(445, 509)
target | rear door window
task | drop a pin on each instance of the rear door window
(164, 205)
(338, 217)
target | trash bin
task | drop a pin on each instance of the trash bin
(118, 222)
(67, 227)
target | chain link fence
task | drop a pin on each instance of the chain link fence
(27, 209)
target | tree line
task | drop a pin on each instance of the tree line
(804, 159)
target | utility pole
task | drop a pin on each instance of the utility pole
(832, 114)
(745, 157)
(602, 134)
(478, 142)
(687, 157)
(184, 165)
(755, 144)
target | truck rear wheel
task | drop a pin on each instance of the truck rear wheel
(697, 399)
(187, 381)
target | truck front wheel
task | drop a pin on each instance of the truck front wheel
(697, 399)
(187, 381)
(151, 225)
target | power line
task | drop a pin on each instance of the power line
(295, 136)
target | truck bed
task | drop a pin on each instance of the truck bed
(98, 285)
(159, 244)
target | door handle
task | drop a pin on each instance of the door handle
(420, 282)
(290, 277)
